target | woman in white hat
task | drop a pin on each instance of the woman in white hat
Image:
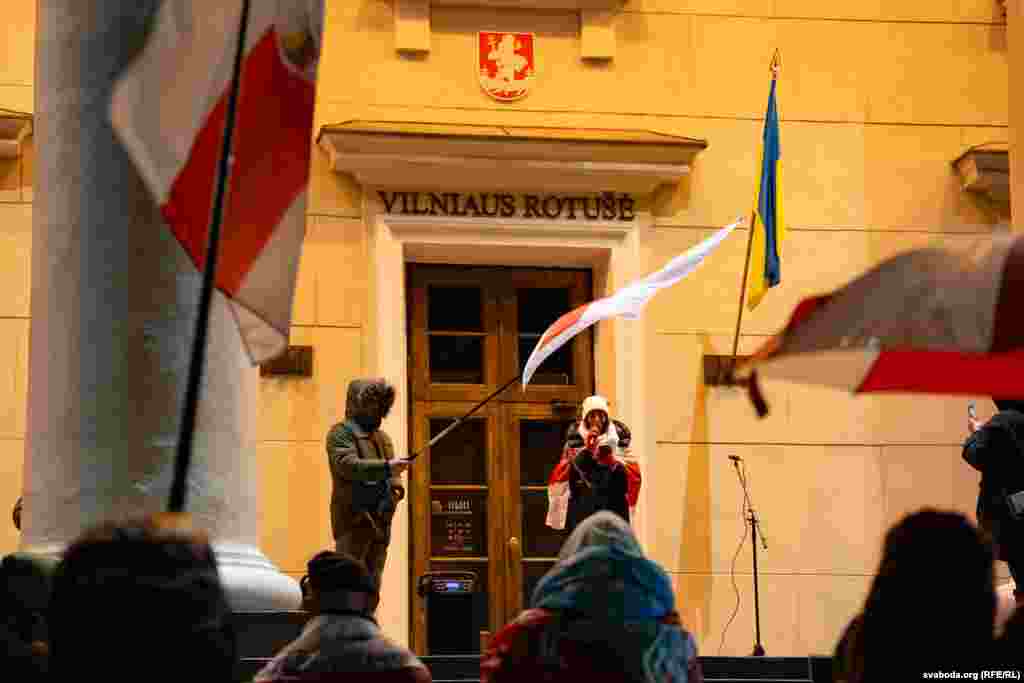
(595, 472)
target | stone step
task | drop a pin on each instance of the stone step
(466, 669)
(261, 634)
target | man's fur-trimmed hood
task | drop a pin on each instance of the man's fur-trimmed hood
(369, 398)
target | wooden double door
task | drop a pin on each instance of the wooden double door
(479, 497)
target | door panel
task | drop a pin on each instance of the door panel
(454, 506)
(534, 436)
(479, 496)
(453, 334)
(530, 303)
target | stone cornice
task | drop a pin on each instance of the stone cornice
(434, 156)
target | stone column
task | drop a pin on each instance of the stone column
(114, 299)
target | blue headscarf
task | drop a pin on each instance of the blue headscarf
(603, 577)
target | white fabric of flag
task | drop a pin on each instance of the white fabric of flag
(627, 302)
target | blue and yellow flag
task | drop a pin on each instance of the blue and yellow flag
(764, 269)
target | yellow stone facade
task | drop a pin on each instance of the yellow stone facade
(876, 99)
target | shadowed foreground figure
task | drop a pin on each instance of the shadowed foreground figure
(137, 602)
(931, 606)
(343, 641)
(1009, 648)
(24, 600)
(603, 614)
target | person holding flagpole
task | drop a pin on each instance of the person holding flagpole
(365, 474)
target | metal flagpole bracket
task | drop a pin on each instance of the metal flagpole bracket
(719, 370)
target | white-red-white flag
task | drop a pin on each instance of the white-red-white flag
(930, 321)
(169, 109)
(627, 302)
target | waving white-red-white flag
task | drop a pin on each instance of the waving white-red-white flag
(628, 302)
(169, 109)
(929, 320)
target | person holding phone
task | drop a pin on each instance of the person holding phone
(596, 471)
(996, 450)
(365, 475)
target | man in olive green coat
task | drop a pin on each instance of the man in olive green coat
(365, 474)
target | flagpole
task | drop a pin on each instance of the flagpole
(774, 67)
(198, 359)
(462, 419)
(743, 294)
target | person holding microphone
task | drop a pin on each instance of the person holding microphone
(595, 472)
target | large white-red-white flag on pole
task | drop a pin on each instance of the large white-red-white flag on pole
(627, 302)
(169, 109)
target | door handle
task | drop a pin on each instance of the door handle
(514, 550)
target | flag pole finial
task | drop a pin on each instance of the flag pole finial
(776, 63)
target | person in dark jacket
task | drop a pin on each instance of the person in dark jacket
(996, 449)
(596, 471)
(365, 475)
(342, 642)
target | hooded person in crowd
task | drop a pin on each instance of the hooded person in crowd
(365, 475)
(595, 471)
(342, 642)
(604, 612)
(996, 449)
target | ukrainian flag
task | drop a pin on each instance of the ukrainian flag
(764, 268)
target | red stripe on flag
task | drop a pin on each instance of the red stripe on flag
(560, 473)
(802, 312)
(271, 151)
(947, 372)
(807, 307)
(562, 324)
(633, 481)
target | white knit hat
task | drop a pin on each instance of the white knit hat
(596, 403)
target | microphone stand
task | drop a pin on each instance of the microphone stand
(751, 517)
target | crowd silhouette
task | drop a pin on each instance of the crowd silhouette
(137, 599)
(143, 599)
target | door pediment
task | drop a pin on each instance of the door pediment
(440, 156)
